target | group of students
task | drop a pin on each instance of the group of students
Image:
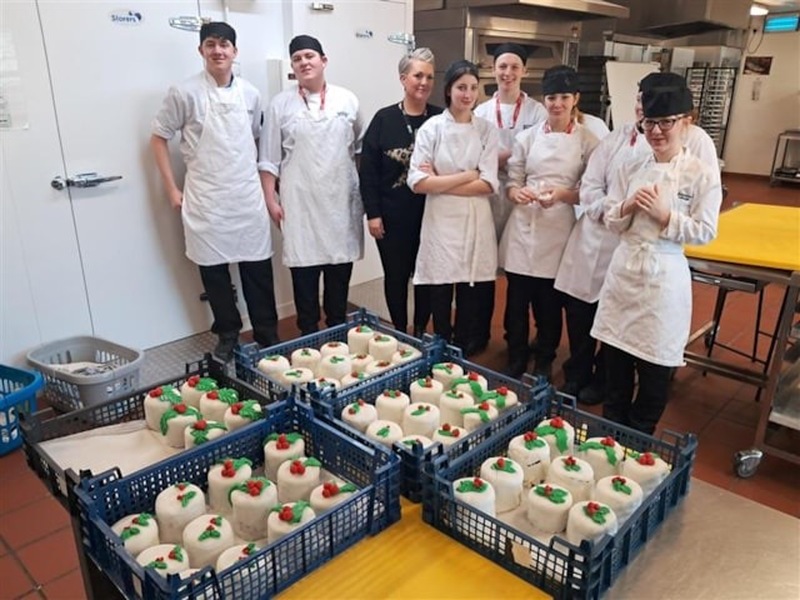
(586, 227)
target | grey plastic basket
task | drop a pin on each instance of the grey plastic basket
(71, 391)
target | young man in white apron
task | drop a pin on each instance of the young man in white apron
(311, 137)
(221, 203)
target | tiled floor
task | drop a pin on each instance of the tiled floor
(37, 554)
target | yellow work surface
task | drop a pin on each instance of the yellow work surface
(410, 560)
(756, 235)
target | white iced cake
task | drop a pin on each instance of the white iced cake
(165, 559)
(645, 468)
(478, 415)
(501, 398)
(477, 493)
(194, 387)
(505, 475)
(384, 432)
(590, 521)
(280, 447)
(405, 353)
(286, 518)
(222, 477)
(176, 505)
(354, 377)
(202, 431)
(251, 501)
(426, 390)
(391, 404)
(533, 454)
(331, 348)
(273, 365)
(359, 414)
(558, 434)
(329, 494)
(446, 372)
(213, 404)
(604, 454)
(622, 495)
(334, 366)
(241, 414)
(177, 418)
(382, 347)
(137, 532)
(358, 338)
(448, 434)
(378, 366)
(360, 362)
(306, 358)
(451, 403)
(421, 418)
(296, 376)
(237, 553)
(470, 383)
(574, 474)
(297, 478)
(548, 507)
(157, 402)
(205, 538)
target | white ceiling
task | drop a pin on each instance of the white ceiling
(779, 5)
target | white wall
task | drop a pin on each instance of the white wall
(754, 124)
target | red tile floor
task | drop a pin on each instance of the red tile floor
(38, 557)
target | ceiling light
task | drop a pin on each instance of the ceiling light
(758, 11)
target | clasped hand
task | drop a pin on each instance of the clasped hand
(649, 201)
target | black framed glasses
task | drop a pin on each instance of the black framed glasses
(663, 124)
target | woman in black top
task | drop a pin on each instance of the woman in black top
(394, 212)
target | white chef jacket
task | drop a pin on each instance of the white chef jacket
(596, 125)
(645, 304)
(534, 237)
(457, 240)
(588, 252)
(224, 215)
(532, 112)
(312, 152)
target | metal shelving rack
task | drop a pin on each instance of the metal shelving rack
(712, 89)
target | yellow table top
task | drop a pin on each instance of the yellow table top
(756, 235)
(410, 560)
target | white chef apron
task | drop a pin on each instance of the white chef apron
(645, 304)
(224, 216)
(322, 209)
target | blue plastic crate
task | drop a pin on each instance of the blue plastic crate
(103, 500)
(17, 396)
(47, 425)
(247, 356)
(331, 404)
(560, 568)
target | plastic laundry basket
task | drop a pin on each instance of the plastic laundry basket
(73, 390)
(17, 393)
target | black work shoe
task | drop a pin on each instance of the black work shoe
(543, 369)
(269, 341)
(475, 347)
(591, 395)
(225, 346)
(570, 388)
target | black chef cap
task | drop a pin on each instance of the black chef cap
(560, 80)
(305, 42)
(509, 48)
(666, 101)
(218, 29)
(453, 72)
(652, 80)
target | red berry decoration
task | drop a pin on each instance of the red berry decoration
(477, 482)
(201, 425)
(592, 508)
(570, 460)
(548, 490)
(282, 443)
(557, 422)
(155, 393)
(179, 408)
(501, 462)
(530, 436)
(608, 441)
(502, 390)
(193, 380)
(483, 406)
(473, 376)
(455, 432)
(213, 395)
(446, 427)
(236, 407)
(180, 486)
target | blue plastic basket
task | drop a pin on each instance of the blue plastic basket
(331, 404)
(47, 425)
(247, 356)
(103, 500)
(560, 568)
(17, 396)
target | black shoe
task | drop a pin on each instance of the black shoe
(544, 370)
(591, 395)
(419, 332)
(225, 346)
(268, 341)
(475, 347)
(570, 388)
(516, 368)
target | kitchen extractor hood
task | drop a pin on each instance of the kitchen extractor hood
(577, 9)
(681, 18)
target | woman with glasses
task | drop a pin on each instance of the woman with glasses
(544, 173)
(394, 212)
(455, 164)
(659, 202)
(587, 255)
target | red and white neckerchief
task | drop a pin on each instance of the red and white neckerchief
(568, 130)
(514, 117)
(304, 95)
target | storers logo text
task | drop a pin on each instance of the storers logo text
(126, 17)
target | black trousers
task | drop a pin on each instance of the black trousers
(398, 257)
(259, 294)
(582, 346)
(523, 294)
(305, 284)
(474, 306)
(643, 412)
